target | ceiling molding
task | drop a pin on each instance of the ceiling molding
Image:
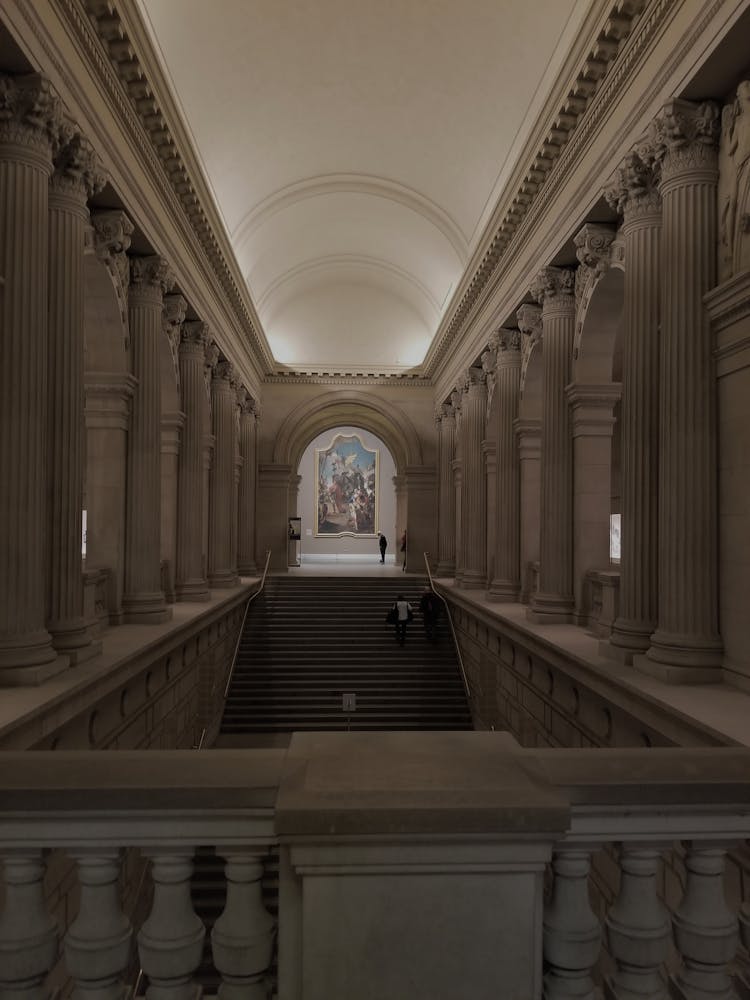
(355, 262)
(327, 185)
(407, 379)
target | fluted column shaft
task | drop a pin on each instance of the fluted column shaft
(636, 194)
(27, 136)
(75, 178)
(246, 565)
(686, 645)
(447, 496)
(190, 580)
(473, 571)
(506, 584)
(221, 483)
(143, 601)
(529, 438)
(554, 599)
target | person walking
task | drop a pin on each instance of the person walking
(383, 543)
(404, 615)
(403, 549)
(430, 609)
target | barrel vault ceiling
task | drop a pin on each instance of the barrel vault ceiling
(356, 150)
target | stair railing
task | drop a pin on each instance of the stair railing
(440, 597)
(244, 619)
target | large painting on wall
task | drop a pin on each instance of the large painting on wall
(346, 473)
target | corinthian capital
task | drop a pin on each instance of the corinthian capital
(78, 170)
(509, 339)
(112, 232)
(194, 334)
(683, 136)
(594, 247)
(530, 320)
(224, 372)
(634, 189)
(554, 285)
(30, 114)
(173, 312)
(151, 274)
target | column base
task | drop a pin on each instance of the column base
(471, 580)
(628, 639)
(32, 676)
(192, 590)
(504, 592)
(682, 659)
(27, 651)
(223, 581)
(550, 609)
(145, 609)
(445, 569)
(73, 639)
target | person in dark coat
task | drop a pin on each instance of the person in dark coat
(383, 543)
(403, 616)
(430, 609)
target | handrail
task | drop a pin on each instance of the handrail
(244, 619)
(464, 678)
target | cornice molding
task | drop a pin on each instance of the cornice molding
(381, 380)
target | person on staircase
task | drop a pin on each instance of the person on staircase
(404, 615)
(383, 543)
(429, 607)
(403, 549)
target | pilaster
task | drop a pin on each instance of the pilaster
(473, 571)
(246, 557)
(143, 601)
(506, 582)
(554, 289)
(446, 423)
(221, 484)
(30, 132)
(529, 443)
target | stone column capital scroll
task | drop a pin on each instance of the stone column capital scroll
(223, 373)
(112, 232)
(31, 115)
(594, 247)
(634, 189)
(683, 137)
(78, 172)
(554, 289)
(150, 276)
(173, 312)
(508, 346)
(529, 319)
(194, 337)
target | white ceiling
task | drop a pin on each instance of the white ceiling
(356, 149)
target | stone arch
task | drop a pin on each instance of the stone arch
(598, 325)
(105, 320)
(350, 408)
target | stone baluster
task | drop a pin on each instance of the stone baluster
(473, 571)
(554, 289)
(190, 578)
(506, 582)
(77, 176)
(222, 478)
(30, 128)
(28, 934)
(686, 646)
(457, 467)
(635, 194)
(97, 945)
(572, 935)
(246, 564)
(446, 424)
(242, 938)
(170, 943)
(638, 929)
(705, 930)
(143, 601)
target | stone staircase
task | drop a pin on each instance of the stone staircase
(308, 642)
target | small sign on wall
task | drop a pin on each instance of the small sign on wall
(348, 702)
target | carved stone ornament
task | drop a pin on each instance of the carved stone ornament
(489, 368)
(151, 271)
(112, 232)
(683, 136)
(194, 335)
(173, 314)
(593, 247)
(634, 189)
(456, 401)
(553, 285)
(530, 324)
(224, 372)
(78, 170)
(246, 402)
(447, 411)
(31, 114)
(212, 357)
(734, 185)
(508, 339)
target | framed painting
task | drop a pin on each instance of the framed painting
(347, 500)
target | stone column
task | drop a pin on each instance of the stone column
(506, 583)
(190, 577)
(635, 194)
(457, 468)
(221, 483)
(399, 486)
(209, 446)
(529, 437)
(29, 132)
(143, 601)
(473, 572)
(592, 421)
(554, 290)
(76, 177)
(446, 424)
(292, 511)
(108, 401)
(171, 433)
(489, 462)
(686, 646)
(236, 475)
(246, 564)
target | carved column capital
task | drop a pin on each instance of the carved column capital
(31, 115)
(472, 379)
(594, 247)
(554, 288)
(508, 341)
(78, 172)
(683, 138)
(194, 336)
(112, 232)
(530, 321)
(223, 372)
(174, 309)
(634, 189)
(150, 276)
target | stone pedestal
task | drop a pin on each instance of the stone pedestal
(635, 194)
(592, 419)
(223, 401)
(246, 556)
(143, 601)
(554, 289)
(29, 131)
(190, 582)
(529, 438)
(76, 177)
(506, 582)
(446, 424)
(686, 646)
(472, 573)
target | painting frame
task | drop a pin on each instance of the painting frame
(347, 488)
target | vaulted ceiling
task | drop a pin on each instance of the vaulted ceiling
(355, 151)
